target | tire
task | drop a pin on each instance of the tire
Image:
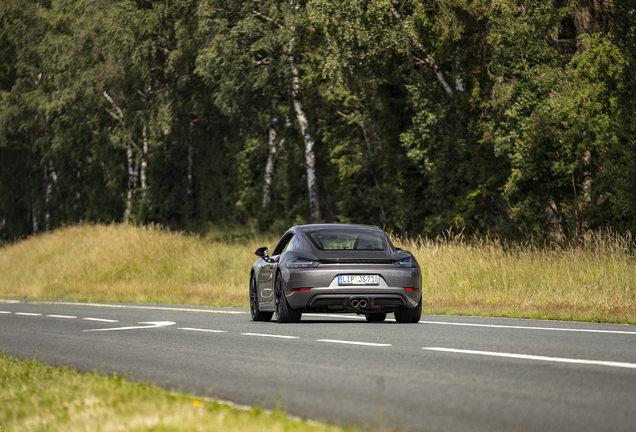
(256, 313)
(406, 315)
(284, 313)
(376, 317)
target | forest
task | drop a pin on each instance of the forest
(506, 118)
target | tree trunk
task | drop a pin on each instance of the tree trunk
(47, 198)
(427, 57)
(34, 217)
(144, 163)
(78, 196)
(269, 168)
(129, 192)
(310, 157)
(166, 159)
(459, 77)
(190, 190)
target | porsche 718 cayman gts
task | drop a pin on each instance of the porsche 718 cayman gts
(333, 268)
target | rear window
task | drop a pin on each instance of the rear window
(347, 240)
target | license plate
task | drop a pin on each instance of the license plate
(358, 280)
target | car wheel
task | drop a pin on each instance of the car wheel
(257, 315)
(407, 315)
(376, 317)
(284, 313)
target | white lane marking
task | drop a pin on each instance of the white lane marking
(106, 305)
(153, 324)
(5, 312)
(203, 330)
(100, 319)
(530, 328)
(271, 335)
(538, 358)
(353, 342)
(9, 301)
(28, 314)
(61, 316)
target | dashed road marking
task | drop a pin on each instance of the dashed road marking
(153, 324)
(535, 357)
(529, 327)
(28, 314)
(61, 316)
(5, 312)
(353, 342)
(271, 335)
(101, 320)
(203, 330)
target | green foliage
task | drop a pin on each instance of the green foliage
(510, 117)
(623, 156)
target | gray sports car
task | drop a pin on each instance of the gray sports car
(335, 268)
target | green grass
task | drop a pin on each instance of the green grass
(590, 280)
(37, 397)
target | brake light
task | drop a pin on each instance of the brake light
(411, 289)
(300, 289)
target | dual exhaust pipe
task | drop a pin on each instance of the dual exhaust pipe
(358, 304)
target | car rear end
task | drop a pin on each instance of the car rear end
(354, 287)
(352, 269)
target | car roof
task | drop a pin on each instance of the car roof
(311, 227)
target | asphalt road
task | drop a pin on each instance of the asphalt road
(446, 373)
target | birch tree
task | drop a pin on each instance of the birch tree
(261, 39)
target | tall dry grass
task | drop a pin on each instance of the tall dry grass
(128, 263)
(593, 279)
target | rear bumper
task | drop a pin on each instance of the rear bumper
(326, 295)
(338, 300)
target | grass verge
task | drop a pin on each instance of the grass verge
(591, 280)
(35, 396)
(128, 263)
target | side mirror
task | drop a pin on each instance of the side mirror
(261, 252)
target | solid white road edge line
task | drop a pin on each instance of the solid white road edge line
(27, 314)
(271, 335)
(61, 316)
(534, 357)
(528, 327)
(107, 305)
(353, 342)
(203, 330)
(101, 320)
(153, 324)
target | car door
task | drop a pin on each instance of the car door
(268, 270)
